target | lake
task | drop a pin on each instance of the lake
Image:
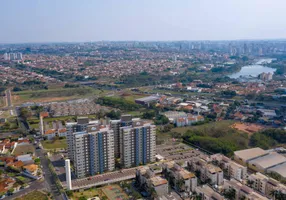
(254, 70)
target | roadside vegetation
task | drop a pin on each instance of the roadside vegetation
(35, 195)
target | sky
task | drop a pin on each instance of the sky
(24, 21)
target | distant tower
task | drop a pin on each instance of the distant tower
(175, 58)
(6, 56)
(41, 125)
(68, 174)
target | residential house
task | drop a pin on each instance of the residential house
(6, 184)
(31, 169)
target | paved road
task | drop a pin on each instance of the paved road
(49, 178)
(36, 185)
(8, 98)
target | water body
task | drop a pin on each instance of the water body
(253, 70)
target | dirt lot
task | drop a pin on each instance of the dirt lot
(247, 127)
(24, 149)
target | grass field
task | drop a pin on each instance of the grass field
(24, 149)
(54, 144)
(92, 192)
(134, 113)
(35, 195)
(225, 124)
(132, 97)
(2, 101)
(57, 94)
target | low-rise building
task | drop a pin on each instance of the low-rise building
(147, 100)
(181, 179)
(209, 173)
(6, 184)
(279, 169)
(246, 155)
(148, 181)
(207, 193)
(261, 164)
(183, 119)
(31, 169)
(240, 191)
(231, 168)
(265, 184)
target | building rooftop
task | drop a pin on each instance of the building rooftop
(157, 180)
(280, 169)
(186, 174)
(213, 169)
(270, 160)
(208, 191)
(248, 154)
(148, 99)
(31, 167)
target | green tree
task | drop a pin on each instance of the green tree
(25, 113)
(113, 114)
(230, 193)
(69, 193)
(149, 114)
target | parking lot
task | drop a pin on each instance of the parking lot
(180, 152)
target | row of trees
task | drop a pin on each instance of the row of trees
(118, 103)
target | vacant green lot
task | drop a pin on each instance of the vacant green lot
(54, 144)
(24, 149)
(215, 137)
(35, 195)
(2, 102)
(92, 192)
(225, 124)
(58, 94)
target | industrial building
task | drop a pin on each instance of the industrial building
(147, 100)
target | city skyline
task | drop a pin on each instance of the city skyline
(86, 21)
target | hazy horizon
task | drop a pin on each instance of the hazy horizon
(73, 21)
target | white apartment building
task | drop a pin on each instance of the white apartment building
(137, 144)
(90, 147)
(93, 151)
(115, 125)
(13, 56)
(93, 147)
